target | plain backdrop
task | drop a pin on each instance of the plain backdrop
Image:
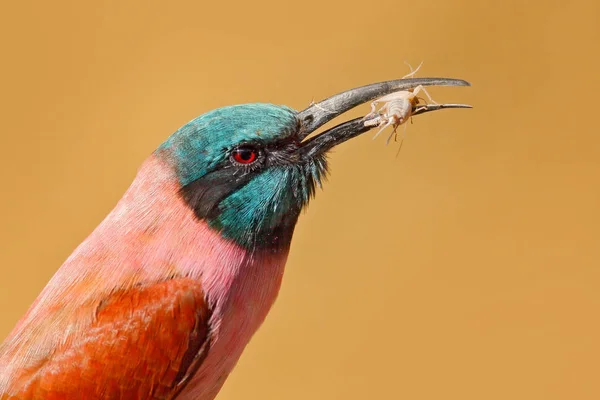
(464, 268)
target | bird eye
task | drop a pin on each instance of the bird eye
(244, 155)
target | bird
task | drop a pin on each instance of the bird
(160, 300)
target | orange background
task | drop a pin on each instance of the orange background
(465, 268)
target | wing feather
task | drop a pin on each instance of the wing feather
(144, 343)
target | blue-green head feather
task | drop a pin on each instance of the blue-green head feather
(241, 170)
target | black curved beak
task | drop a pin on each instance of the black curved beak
(320, 113)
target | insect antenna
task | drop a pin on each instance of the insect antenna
(412, 72)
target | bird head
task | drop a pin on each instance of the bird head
(248, 170)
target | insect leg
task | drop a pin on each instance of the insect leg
(376, 121)
(372, 112)
(390, 120)
(421, 88)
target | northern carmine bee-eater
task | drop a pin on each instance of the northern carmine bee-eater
(162, 297)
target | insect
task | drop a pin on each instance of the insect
(398, 107)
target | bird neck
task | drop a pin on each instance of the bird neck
(154, 215)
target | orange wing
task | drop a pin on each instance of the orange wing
(145, 343)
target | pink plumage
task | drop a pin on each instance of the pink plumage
(141, 247)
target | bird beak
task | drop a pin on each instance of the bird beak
(320, 113)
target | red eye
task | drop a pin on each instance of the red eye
(245, 155)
